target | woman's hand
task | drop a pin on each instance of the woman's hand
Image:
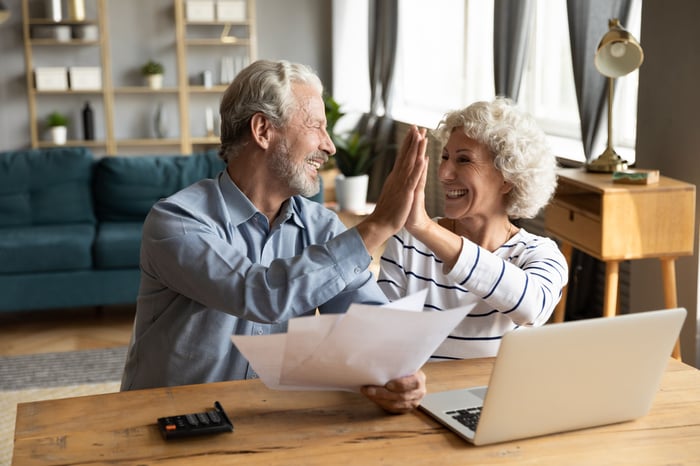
(398, 395)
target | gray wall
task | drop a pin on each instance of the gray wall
(668, 139)
(296, 30)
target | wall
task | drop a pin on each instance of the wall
(668, 139)
(296, 30)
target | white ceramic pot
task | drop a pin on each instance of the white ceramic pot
(59, 135)
(155, 81)
(351, 192)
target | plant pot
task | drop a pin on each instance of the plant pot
(351, 192)
(155, 81)
(59, 135)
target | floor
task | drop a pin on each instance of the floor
(32, 332)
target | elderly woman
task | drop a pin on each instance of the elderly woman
(496, 167)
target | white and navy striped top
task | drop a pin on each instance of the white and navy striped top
(517, 285)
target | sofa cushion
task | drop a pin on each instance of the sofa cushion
(46, 186)
(46, 248)
(127, 187)
(117, 245)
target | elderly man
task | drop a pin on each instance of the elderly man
(246, 252)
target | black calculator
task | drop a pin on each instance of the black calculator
(213, 421)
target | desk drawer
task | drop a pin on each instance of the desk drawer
(575, 227)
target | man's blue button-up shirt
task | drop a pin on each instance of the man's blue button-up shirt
(212, 266)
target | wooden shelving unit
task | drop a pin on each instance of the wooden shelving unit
(225, 38)
(33, 94)
(218, 35)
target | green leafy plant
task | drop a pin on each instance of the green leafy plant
(152, 67)
(55, 119)
(354, 155)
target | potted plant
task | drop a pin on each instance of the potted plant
(153, 72)
(58, 126)
(353, 159)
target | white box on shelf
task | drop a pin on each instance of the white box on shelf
(231, 10)
(199, 10)
(51, 78)
(85, 78)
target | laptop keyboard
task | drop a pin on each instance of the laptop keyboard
(468, 417)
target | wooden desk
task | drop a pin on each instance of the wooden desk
(322, 428)
(614, 222)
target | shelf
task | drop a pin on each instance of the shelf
(68, 92)
(73, 143)
(218, 41)
(218, 89)
(72, 42)
(206, 140)
(149, 142)
(65, 22)
(144, 90)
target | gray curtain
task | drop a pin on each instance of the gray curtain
(378, 123)
(588, 22)
(511, 32)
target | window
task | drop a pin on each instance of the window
(445, 61)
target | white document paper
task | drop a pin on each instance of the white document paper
(368, 345)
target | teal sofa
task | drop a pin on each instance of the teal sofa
(70, 223)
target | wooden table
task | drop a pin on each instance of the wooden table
(323, 428)
(615, 222)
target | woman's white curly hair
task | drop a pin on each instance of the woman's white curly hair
(518, 146)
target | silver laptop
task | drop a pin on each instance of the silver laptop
(565, 376)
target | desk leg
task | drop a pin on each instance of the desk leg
(612, 279)
(668, 273)
(560, 309)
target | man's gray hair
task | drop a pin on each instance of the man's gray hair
(262, 87)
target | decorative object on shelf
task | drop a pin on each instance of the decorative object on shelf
(160, 122)
(199, 10)
(153, 72)
(76, 10)
(85, 78)
(231, 10)
(618, 54)
(51, 78)
(54, 10)
(58, 127)
(206, 79)
(4, 12)
(226, 75)
(55, 32)
(209, 121)
(353, 158)
(86, 32)
(88, 122)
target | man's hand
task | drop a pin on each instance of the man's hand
(399, 395)
(396, 198)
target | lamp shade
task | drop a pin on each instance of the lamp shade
(618, 53)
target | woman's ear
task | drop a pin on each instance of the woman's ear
(261, 130)
(507, 187)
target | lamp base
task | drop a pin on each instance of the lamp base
(608, 162)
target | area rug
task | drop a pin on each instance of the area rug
(52, 376)
(61, 369)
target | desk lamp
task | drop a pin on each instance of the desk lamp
(618, 54)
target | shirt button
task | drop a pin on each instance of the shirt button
(357, 270)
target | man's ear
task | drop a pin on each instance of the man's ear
(261, 130)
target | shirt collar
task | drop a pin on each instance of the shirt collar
(241, 209)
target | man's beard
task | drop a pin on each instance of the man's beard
(295, 175)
